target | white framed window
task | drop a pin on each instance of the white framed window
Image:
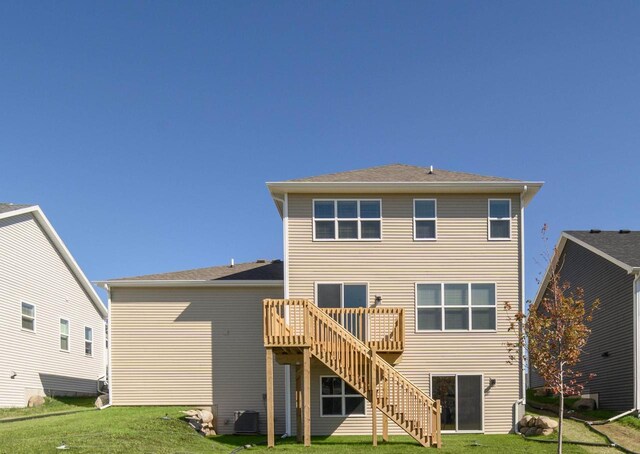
(499, 219)
(28, 317)
(64, 335)
(337, 398)
(339, 295)
(461, 400)
(456, 307)
(425, 215)
(88, 341)
(347, 220)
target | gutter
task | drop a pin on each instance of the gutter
(636, 339)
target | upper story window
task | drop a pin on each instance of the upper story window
(347, 220)
(424, 219)
(499, 219)
(28, 317)
(456, 307)
(64, 335)
(88, 341)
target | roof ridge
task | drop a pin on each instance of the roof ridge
(354, 170)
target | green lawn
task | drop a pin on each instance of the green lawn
(52, 405)
(143, 430)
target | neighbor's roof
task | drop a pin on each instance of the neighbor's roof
(621, 245)
(9, 210)
(7, 207)
(399, 173)
(258, 272)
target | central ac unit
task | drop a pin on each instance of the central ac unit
(246, 422)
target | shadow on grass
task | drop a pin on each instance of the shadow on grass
(328, 440)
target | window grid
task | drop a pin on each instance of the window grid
(493, 219)
(64, 335)
(417, 218)
(28, 317)
(88, 341)
(343, 396)
(469, 307)
(359, 220)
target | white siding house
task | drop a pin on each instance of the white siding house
(51, 320)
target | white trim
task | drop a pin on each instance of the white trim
(343, 396)
(434, 219)
(109, 366)
(35, 324)
(522, 302)
(68, 350)
(442, 307)
(287, 367)
(456, 375)
(190, 283)
(341, 284)
(40, 217)
(358, 219)
(84, 345)
(636, 341)
(492, 218)
(377, 187)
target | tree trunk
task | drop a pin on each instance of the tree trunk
(560, 413)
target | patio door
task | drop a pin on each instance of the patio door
(345, 296)
(462, 399)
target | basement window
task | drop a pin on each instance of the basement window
(339, 399)
(347, 220)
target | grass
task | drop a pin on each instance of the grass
(630, 421)
(554, 400)
(143, 430)
(51, 405)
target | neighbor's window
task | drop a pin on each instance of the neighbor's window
(347, 219)
(499, 219)
(339, 399)
(424, 219)
(28, 317)
(456, 307)
(88, 341)
(64, 335)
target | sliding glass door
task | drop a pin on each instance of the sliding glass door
(345, 296)
(461, 398)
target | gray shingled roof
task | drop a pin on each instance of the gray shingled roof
(399, 173)
(252, 271)
(6, 207)
(624, 247)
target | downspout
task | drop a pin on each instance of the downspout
(287, 367)
(636, 339)
(109, 366)
(522, 401)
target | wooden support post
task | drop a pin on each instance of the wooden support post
(299, 427)
(438, 434)
(270, 422)
(374, 404)
(306, 398)
(385, 403)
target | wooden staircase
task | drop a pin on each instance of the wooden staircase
(292, 327)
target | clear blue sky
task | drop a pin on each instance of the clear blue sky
(146, 130)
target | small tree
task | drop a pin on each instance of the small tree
(556, 331)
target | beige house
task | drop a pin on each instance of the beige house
(52, 323)
(391, 291)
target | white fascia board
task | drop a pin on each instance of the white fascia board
(40, 217)
(301, 187)
(190, 283)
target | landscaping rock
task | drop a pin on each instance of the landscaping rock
(532, 422)
(35, 401)
(547, 431)
(539, 431)
(206, 416)
(584, 404)
(102, 400)
(545, 422)
(524, 422)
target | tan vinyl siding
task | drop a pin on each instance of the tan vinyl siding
(192, 346)
(392, 267)
(32, 270)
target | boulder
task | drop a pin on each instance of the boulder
(584, 404)
(206, 416)
(524, 422)
(102, 400)
(547, 431)
(531, 431)
(35, 401)
(539, 431)
(532, 422)
(544, 422)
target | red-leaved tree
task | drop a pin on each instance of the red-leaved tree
(556, 332)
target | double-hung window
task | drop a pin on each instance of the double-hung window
(88, 341)
(347, 220)
(339, 399)
(456, 307)
(424, 219)
(28, 317)
(64, 335)
(499, 219)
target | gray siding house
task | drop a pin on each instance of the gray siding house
(51, 320)
(606, 265)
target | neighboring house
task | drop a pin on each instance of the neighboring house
(415, 263)
(606, 265)
(52, 322)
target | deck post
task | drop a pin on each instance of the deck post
(299, 428)
(374, 404)
(306, 399)
(270, 423)
(438, 434)
(385, 403)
